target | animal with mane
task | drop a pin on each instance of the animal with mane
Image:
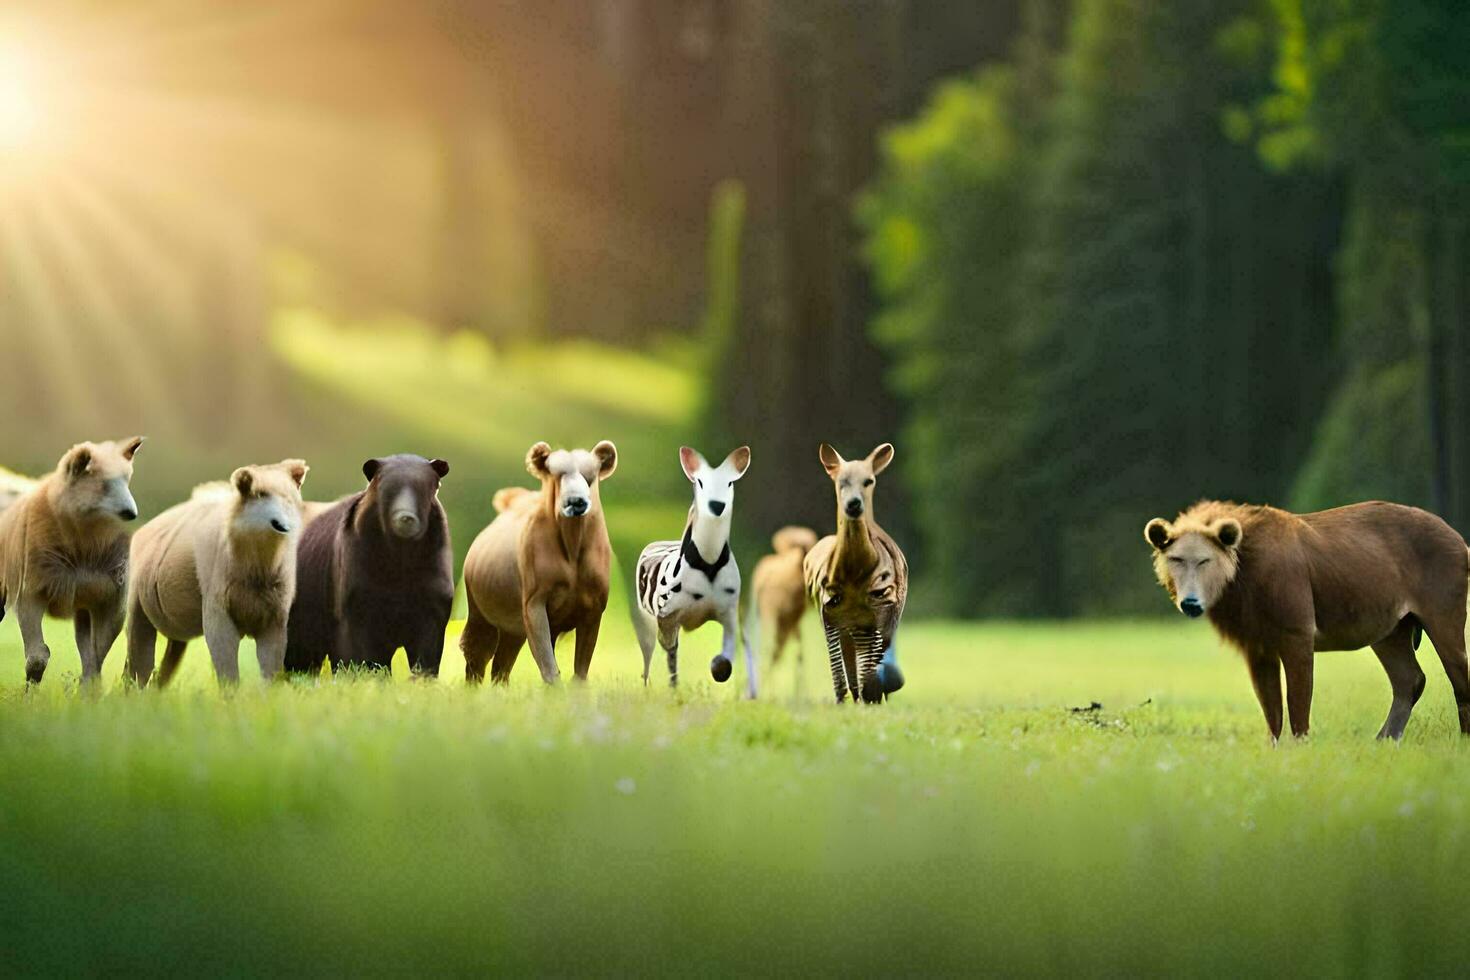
(64, 552)
(374, 572)
(221, 565)
(686, 583)
(1280, 586)
(778, 591)
(859, 580)
(541, 567)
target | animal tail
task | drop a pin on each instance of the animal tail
(506, 498)
(13, 486)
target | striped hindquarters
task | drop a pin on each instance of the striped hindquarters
(653, 574)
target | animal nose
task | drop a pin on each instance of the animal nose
(280, 525)
(576, 507)
(717, 507)
(406, 525)
(855, 507)
(1191, 607)
(128, 514)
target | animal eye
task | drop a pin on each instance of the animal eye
(730, 484)
(701, 483)
(868, 482)
(1203, 562)
(1175, 560)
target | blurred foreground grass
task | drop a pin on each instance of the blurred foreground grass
(974, 824)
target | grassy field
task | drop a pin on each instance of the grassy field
(975, 823)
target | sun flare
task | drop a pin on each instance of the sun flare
(21, 87)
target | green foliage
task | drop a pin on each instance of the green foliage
(365, 827)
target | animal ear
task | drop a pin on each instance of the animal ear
(297, 470)
(881, 457)
(691, 461)
(536, 460)
(740, 460)
(243, 480)
(371, 467)
(439, 466)
(130, 446)
(607, 458)
(77, 460)
(1227, 532)
(831, 458)
(1158, 533)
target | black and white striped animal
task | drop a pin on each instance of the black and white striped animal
(686, 583)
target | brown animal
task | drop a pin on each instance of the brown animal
(221, 565)
(859, 579)
(779, 591)
(374, 572)
(540, 569)
(64, 553)
(1281, 586)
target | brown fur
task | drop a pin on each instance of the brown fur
(779, 589)
(207, 568)
(64, 553)
(535, 573)
(858, 577)
(1370, 574)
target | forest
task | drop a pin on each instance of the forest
(1083, 261)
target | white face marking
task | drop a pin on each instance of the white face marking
(575, 471)
(267, 513)
(403, 514)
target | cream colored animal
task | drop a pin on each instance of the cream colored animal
(221, 565)
(64, 553)
(780, 592)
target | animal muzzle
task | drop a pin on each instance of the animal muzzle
(129, 513)
(717, 507)
(854, 507)
(1191, 607)
(575, 506)
(407, 525)
(280, 526)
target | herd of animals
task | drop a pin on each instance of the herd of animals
(352, 581)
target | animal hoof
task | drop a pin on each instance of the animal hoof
(719, 669)
(34, 672)
(872, 689)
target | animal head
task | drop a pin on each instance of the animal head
(268, 498)
(714, 486)
(855, 479)
(793, 538)
(404, 490)
(94, 480)
(1195, 558)
(573, 474)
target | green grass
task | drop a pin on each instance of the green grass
(975, 823)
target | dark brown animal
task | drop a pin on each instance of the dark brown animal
(1281, 586)
(64, 553)
(540, 569)
(374, 572)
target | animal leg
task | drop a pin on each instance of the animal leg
(750, 678)
(868, 646)
(647, 629)
(173, 655)
(724, 661)
(668, 638)
(223, 640)
(587, 632)
(507, 648)
(834, 655)
(30, 614)
(1297, 662)
(1447, 633)
(107, 624)
(82, 625)
(425, 648)
(1396, 653)
(142, 647)
(543, 646)
(270, 653)
(800, 681)
(1266, 679)
(478, 642)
